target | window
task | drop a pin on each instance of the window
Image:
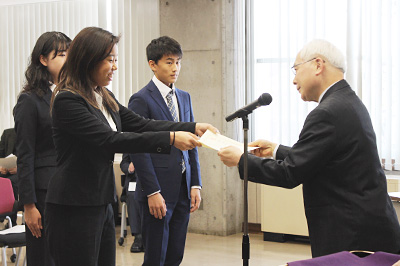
(366, 31)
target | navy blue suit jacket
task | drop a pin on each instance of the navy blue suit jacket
(163, 171)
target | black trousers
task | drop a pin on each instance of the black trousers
(133, 207)
(37, 251)
(81, 235)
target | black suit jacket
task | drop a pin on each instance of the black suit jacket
(86, 145)
(7, 142)
(344, 187)
(34, 146)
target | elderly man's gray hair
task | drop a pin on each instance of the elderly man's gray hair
(325, 49)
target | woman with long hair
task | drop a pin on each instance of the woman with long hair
(89, 127)
(35, 149)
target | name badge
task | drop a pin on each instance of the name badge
(132, 186)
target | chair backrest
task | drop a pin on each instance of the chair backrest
(6, 196)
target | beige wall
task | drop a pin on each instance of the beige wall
(204, 29)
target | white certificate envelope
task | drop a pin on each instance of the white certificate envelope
(218, 141)
(9, 162)
(132, 186)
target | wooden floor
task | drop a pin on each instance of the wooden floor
(216, 251)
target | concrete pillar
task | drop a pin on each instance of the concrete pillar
(204, 28)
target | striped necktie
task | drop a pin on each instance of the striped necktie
(174, 114)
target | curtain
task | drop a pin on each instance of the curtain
(366, 31)
(239, 63)
(22, 24)
(138, 22)
(23, 21)
(374, 60)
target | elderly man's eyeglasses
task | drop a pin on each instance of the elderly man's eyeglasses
(299, 64)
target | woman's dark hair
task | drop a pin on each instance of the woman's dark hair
(89, 48)
(38, 78)
(164, 45)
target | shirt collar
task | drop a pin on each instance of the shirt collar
(322, 94)
(99, 100)
(164, 89)
(52, 87)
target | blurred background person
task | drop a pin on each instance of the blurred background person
(128, 193)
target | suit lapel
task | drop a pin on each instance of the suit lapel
(99, 114)
(181, 104)
(156, 95)
(47, 96)
(117, 120)
(114, 116)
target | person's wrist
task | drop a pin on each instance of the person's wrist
(173, 139)
(29, 206)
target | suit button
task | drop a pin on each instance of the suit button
(158, 149)
(111, 162)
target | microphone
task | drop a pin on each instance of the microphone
(264, 99)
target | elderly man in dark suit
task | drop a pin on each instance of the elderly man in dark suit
(336, 159)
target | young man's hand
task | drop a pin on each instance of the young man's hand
(157, 206)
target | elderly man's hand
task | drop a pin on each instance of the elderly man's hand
(266, 148)
(230, 156)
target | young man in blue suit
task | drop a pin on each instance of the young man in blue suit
(168, 186)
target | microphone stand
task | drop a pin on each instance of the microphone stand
(245, 241)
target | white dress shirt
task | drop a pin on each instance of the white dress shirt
(164, 90)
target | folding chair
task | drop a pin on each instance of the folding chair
(12, 237)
